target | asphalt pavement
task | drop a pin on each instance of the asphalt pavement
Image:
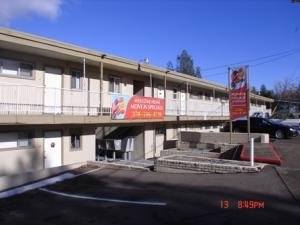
(268, 197)
(289, 172)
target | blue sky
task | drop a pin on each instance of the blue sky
(214, 32)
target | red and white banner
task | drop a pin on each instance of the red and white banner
(238, 79)
(137, 107)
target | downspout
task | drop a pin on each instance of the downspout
(101, 88)
(165, 89)
(151, 85)
(87, 90)
(186, 98)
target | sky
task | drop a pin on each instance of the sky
(263, 34)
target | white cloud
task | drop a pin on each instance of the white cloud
(13, 9)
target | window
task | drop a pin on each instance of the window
(15, 139)
(195, 95)
(15, 68)
(207, 96)
(76, 79)
(75, 142)
(114, 85)
(175, 93)
(24, 139)
(25, 69)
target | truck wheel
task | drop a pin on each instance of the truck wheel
(279, 134)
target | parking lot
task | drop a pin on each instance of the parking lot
(118, 196)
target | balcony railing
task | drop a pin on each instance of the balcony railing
(19, 99)
(197, 107)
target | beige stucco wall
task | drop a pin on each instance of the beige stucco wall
(37, 78)
(159, 142)
(171, 133)
(126, 86)
(153, 143)
(148, 142)
(21, 160)
(87, 151)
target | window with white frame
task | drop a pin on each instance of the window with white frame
(15, 139)
(10, 67)
(75, 141)
(76, 79)
(114, 85)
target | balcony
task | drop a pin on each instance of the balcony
(197, 107)
(18, 99)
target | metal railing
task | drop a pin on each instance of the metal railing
(197, 107)
(20, 99)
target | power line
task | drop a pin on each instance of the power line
(284, 53)
(272, 60)
(216, 74)
(291, 52)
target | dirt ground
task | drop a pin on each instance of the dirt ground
(269, 197)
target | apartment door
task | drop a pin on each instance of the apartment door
(52, 93)
(52, 149)
(182, 103)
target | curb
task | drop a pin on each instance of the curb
(117, 165)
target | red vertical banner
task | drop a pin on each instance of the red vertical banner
(238, 80)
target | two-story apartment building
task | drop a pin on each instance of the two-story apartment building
(56, 99)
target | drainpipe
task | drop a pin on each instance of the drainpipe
(165, 88)
(186, 98)
(154, 141)
(101, 88)
(83, 67)
(151, 85)
(87, 90)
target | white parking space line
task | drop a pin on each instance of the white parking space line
(42, 183)
(39, 184)
(90, 171)
(104, 199)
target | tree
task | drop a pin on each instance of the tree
(285, 90)
(253, 90)
(265, 92)
(198, 72)
(170, 66)
(185, 64)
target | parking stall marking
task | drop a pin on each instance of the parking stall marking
(103, 199)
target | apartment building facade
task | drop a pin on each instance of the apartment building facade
(56, 104)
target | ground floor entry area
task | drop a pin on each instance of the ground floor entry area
(31, 148)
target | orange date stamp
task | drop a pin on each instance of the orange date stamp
(242, 204)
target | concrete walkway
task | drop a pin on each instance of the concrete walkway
(263, 152)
